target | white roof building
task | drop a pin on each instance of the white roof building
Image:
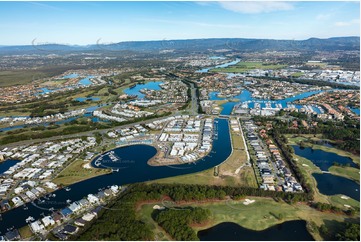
(92, 199)
(47, 221)
(37, 226)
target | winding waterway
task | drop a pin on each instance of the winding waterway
(204, 70)
(133, 168)
(327, 183)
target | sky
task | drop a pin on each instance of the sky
(83, 23)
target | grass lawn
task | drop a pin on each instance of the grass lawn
(320, 64)
(25, 232)
(297, 74)
(247, 66)
(13, 113)
(145, 215)
(21, 77)
(260, 215)
(348, 172)
(227, 170)
(75, 172)
(336, 199)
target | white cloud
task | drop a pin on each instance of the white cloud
(347, 23)
(256, 7)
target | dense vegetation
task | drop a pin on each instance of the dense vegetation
(346, 134)
(176, 221)
(330, 208)
(121, 223)
(351, 233)
(342, 231)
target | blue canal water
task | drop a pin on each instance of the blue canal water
(72, 75)
(323, 159)
(246, 96)
(227, 108)
(5, 165)
(84, 99)
(86, 81)
(149, 85)
(133, 168)
(46, 90)
(219, 66)
(355, 110)
(217, 58)
(329, 184)
(11, 128)
(287, 231)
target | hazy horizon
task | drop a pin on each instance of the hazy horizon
(115, 42)
(86, 23)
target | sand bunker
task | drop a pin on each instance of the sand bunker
(158, 207)
(248, 201)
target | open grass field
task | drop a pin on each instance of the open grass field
(75, 172)
(20, 77)
(297, 74)
(260, 215)
(227, 170)
(348, 172)
(247, 66)
(337, 199)
(25, 232)
(145, 215)
(319, 64)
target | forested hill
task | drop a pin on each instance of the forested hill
(236, 44)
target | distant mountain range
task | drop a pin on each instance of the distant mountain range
(238, 44)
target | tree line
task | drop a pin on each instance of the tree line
(120, 221)
(176, 221)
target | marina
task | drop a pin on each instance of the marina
(246, 101)
(137, 171)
